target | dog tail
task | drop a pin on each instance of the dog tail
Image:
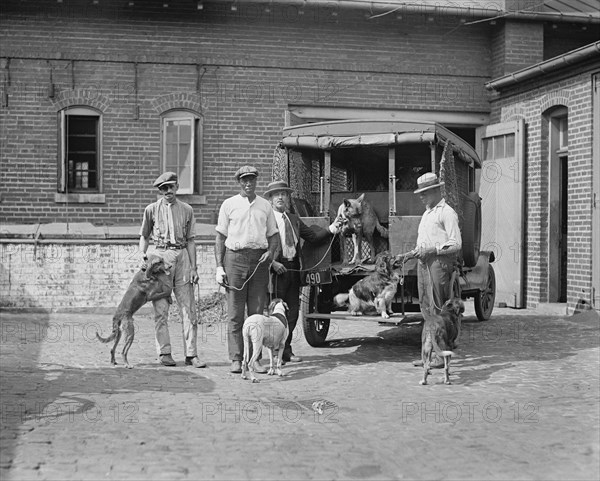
(383, 232)
(106, 339)
(439, 351)
(113, 334)
(341, 299)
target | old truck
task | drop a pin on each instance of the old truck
(328, 162)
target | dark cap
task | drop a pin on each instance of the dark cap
(166, 178)
(277, 186)
(244, 171)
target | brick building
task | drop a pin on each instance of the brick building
(99, 97)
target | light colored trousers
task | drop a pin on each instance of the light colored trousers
(184, 293)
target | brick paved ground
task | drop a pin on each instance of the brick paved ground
(524, 405)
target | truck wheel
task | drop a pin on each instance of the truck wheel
(315, 330)
(471, 229)
(484, 299)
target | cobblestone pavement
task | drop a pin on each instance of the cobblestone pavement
(524, 404)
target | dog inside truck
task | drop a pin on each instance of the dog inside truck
(328, 162)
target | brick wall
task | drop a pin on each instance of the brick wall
(62, 276)
(239, 70)
(532, 102)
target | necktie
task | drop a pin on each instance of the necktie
(289, 236)
(171, 225)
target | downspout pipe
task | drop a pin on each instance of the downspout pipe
(375, 6)
(551, 65)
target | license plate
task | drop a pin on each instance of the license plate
(313, 278)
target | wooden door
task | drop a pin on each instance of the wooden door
(501, 187)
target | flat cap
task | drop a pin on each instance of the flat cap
(246, 170)
(166, 178)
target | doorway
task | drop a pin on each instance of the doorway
(558, 208)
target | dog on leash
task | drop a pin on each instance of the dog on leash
(149, 284)
(374, 292)
(439, 336)
(269, 331)
(359, 221)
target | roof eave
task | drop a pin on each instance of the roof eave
(568, 59)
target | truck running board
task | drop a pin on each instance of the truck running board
(394, 319)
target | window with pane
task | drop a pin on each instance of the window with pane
(80, 150)
(499, 147)
(182, 149)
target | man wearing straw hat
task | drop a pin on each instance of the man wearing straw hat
(287, 262)
(438, 245)
(244, 248)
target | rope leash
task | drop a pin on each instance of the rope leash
(320, 260)
(227, 286)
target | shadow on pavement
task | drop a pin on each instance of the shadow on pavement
(484, 348)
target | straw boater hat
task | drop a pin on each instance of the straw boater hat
(427, 181)
(244, 171)
(276, 186)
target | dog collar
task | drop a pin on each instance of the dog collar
(281, 317)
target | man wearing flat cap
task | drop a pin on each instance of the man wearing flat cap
(170, 224)
(287, 263)
(245, 245)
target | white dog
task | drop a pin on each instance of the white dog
(269, 331)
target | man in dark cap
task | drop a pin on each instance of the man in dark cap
(288, 260)
(170, 223)
(244, 248)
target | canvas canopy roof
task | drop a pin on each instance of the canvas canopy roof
(357, 133)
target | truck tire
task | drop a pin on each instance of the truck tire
(484, 299)
(315, 330)
(471, 229)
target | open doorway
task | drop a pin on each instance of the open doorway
(558, 212)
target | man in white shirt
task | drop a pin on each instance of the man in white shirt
(438, 245)
(244, 248)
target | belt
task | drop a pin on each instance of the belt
(169, 247)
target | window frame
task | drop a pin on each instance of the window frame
(63, 161)
(196, 147)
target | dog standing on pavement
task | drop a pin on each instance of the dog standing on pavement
(374, 292)
(359, 220)
(149, 283)
(439, 336)
(269, 331)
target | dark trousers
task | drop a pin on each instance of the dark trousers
(287, 287)
(434, 277)
(239, 266)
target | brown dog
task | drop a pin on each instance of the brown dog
(149, 283)
(359, 220)
(439, 335)
(374, 292)
(269, 331)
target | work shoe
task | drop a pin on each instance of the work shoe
(167, 360)
(236, 367)
(194, 361)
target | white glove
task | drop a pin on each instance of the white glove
(221, 277)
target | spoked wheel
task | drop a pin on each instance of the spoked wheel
(484, 299)
(315, 330)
